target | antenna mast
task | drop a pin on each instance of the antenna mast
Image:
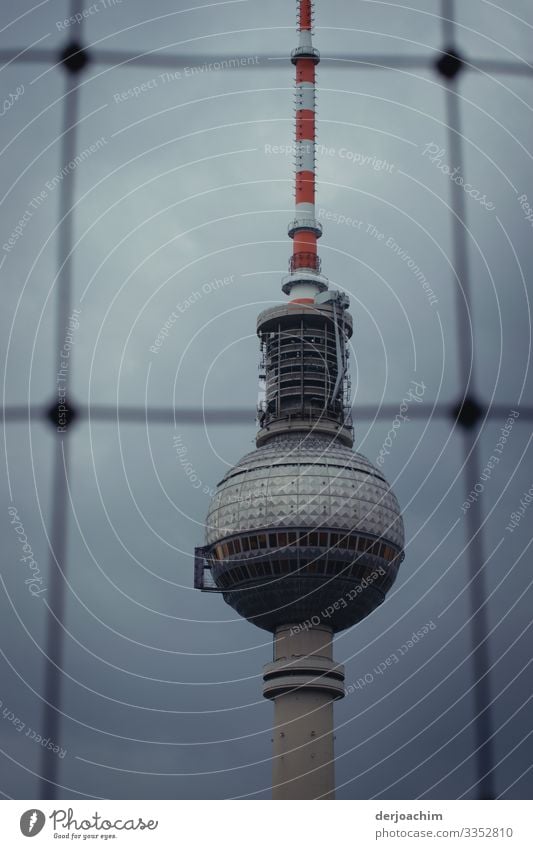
(304, 280)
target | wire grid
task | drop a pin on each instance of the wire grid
(467, 411)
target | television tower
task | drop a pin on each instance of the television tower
(304, 537)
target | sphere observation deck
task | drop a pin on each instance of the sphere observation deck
(300, 530)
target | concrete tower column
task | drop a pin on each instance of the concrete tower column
(303, 681)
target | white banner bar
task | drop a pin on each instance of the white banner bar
(238, 824)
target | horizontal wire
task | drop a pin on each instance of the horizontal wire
(224, 415)
(167, 60)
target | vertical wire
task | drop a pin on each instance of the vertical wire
(484, 757)
(479, 629)
(58, 536)
(54, 634)
(447, 19)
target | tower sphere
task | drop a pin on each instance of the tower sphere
(304, 529)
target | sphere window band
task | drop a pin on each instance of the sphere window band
(252, 572)
(251, 561)
(314, 539)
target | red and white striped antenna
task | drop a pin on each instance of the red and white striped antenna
(304, 280)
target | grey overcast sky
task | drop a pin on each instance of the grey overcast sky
(183, 192)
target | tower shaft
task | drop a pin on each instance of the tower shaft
(303, 681)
